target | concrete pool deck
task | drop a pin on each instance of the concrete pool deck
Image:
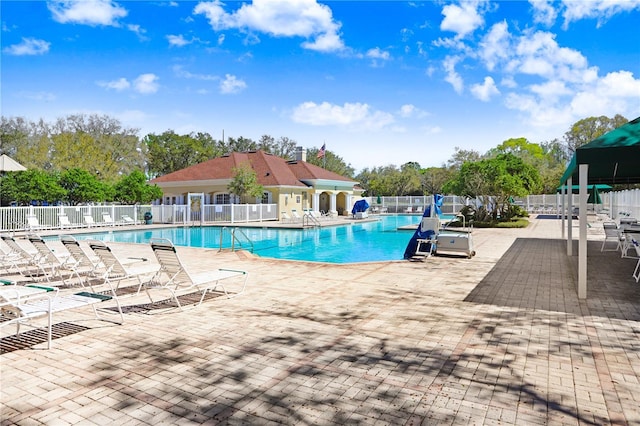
(497, 339)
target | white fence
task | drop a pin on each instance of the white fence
(15, 219)
(615, 204)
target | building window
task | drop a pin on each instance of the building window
(266, 198)
(223, 199)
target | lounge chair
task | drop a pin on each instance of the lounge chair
(108, 220)
(611, 235)
(285, 217)
(21, 304)
(88, 220)
(33, 224)
(174, 277)
(636, 272)
(21, 259)
(80, 263)
(116, 271)
(48, 262)
(128, 220)
(295, 216)
(65, 223)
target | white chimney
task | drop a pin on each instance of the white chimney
(301, 154)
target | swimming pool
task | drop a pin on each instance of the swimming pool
(379, 240)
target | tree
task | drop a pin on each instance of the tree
(133, 189)
(31, 185)
(241, 145)
(462, 156)
(330, 161)
(432, 179)
(501, 178)
(169, 151)
(245, 182)
(84, 187)
(588, 129)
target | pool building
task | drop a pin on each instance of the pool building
(294, 185)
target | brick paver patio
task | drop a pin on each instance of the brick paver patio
(498, 339)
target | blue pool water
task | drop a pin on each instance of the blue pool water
(356, 242)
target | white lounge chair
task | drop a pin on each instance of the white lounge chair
(88, 220)
(295, 216)
(285, 217)
(108, 220)
(116, 271)
(611, 235)
(21, 259)
(33, 224)
(21, 304)
(174, 277)
(48, 262)
(80, 263)
(65, 223)
(128, 220)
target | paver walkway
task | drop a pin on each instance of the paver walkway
(498, 339)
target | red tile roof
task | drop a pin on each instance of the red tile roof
(271, 170)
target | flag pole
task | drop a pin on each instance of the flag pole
(324, 156)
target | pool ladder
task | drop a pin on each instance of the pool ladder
(235, 239)
(308, 220)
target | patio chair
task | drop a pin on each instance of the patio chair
(108, 220)
(48, 262)
(20, 258)
(611, 235)
(80, 263)
(636, 272)
(11, 260)
(21, 304)
(33, 224)
(128, 220)
(115, 270)
(285, 217)
(88, 220)
(177, 278)
(295, 216)
(65, 223)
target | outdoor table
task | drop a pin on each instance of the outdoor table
(628, 220)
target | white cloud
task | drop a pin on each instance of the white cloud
(279, 18)
(146, 84)
(118, 85)
(351, 115)
(543, 12)
(87, 12)
(231, 84)
(138, 30)
(617, 91)
(37, 96)
(452, 76)
(411, 111)
(602, 10)
(378, 56)
(181, 72)
(461, 19)
(486, 90)
(539, 54)
(178, 40)
(495, 45)
(557, 103)
(28, 46)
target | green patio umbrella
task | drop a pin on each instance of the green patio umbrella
(594, 195)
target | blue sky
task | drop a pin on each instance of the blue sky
(380, 82)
